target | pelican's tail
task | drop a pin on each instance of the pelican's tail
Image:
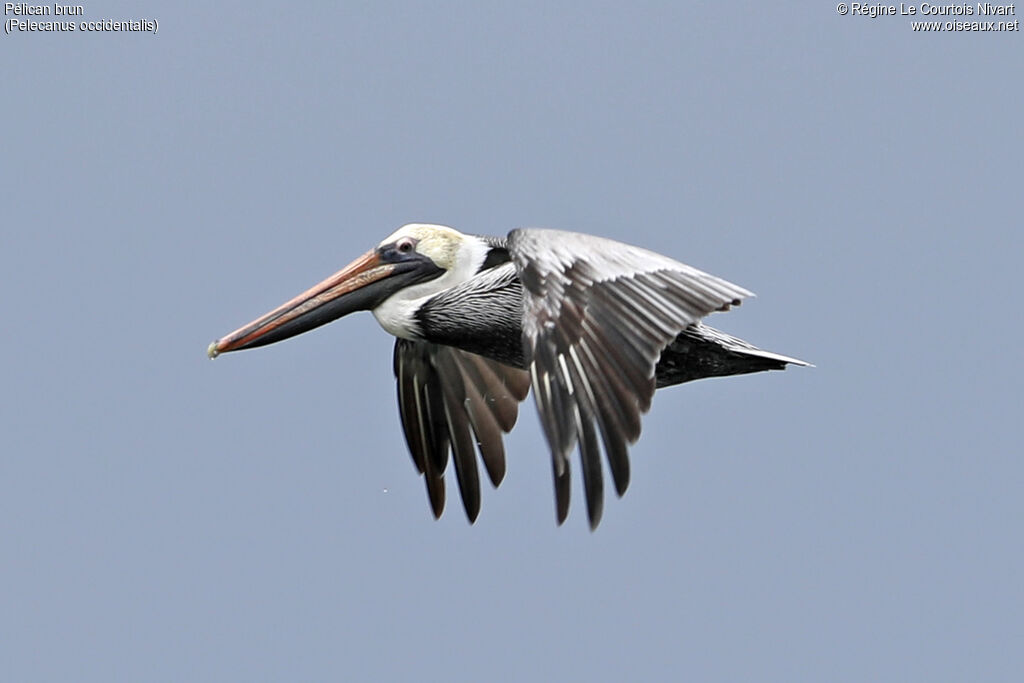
(701, 351)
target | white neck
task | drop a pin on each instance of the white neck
(397, 314)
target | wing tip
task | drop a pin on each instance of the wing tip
(437, 507)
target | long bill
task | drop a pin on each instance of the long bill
(342, 293)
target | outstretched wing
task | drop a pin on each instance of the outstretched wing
(448, 399)
(597, 315)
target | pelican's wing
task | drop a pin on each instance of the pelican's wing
(597, 315)
(443, 395)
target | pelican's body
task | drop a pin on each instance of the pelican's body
(593, 325)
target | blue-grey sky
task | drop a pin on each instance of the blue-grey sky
(165, 518)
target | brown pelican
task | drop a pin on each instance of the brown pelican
(592, 325)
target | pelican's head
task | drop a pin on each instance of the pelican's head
(417, 261)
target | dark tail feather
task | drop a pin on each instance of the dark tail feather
(701, 351)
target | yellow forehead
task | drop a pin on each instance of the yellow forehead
(439, 242)
(422, 231)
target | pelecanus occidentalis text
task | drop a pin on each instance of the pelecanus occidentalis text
(592, 325)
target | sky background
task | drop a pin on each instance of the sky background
(165, 518)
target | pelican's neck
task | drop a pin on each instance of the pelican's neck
(397, 314)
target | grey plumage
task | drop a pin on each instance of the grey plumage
(594, 326)
(599, 325)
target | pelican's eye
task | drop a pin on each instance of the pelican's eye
(405, 245)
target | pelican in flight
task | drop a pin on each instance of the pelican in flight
(593, 326)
